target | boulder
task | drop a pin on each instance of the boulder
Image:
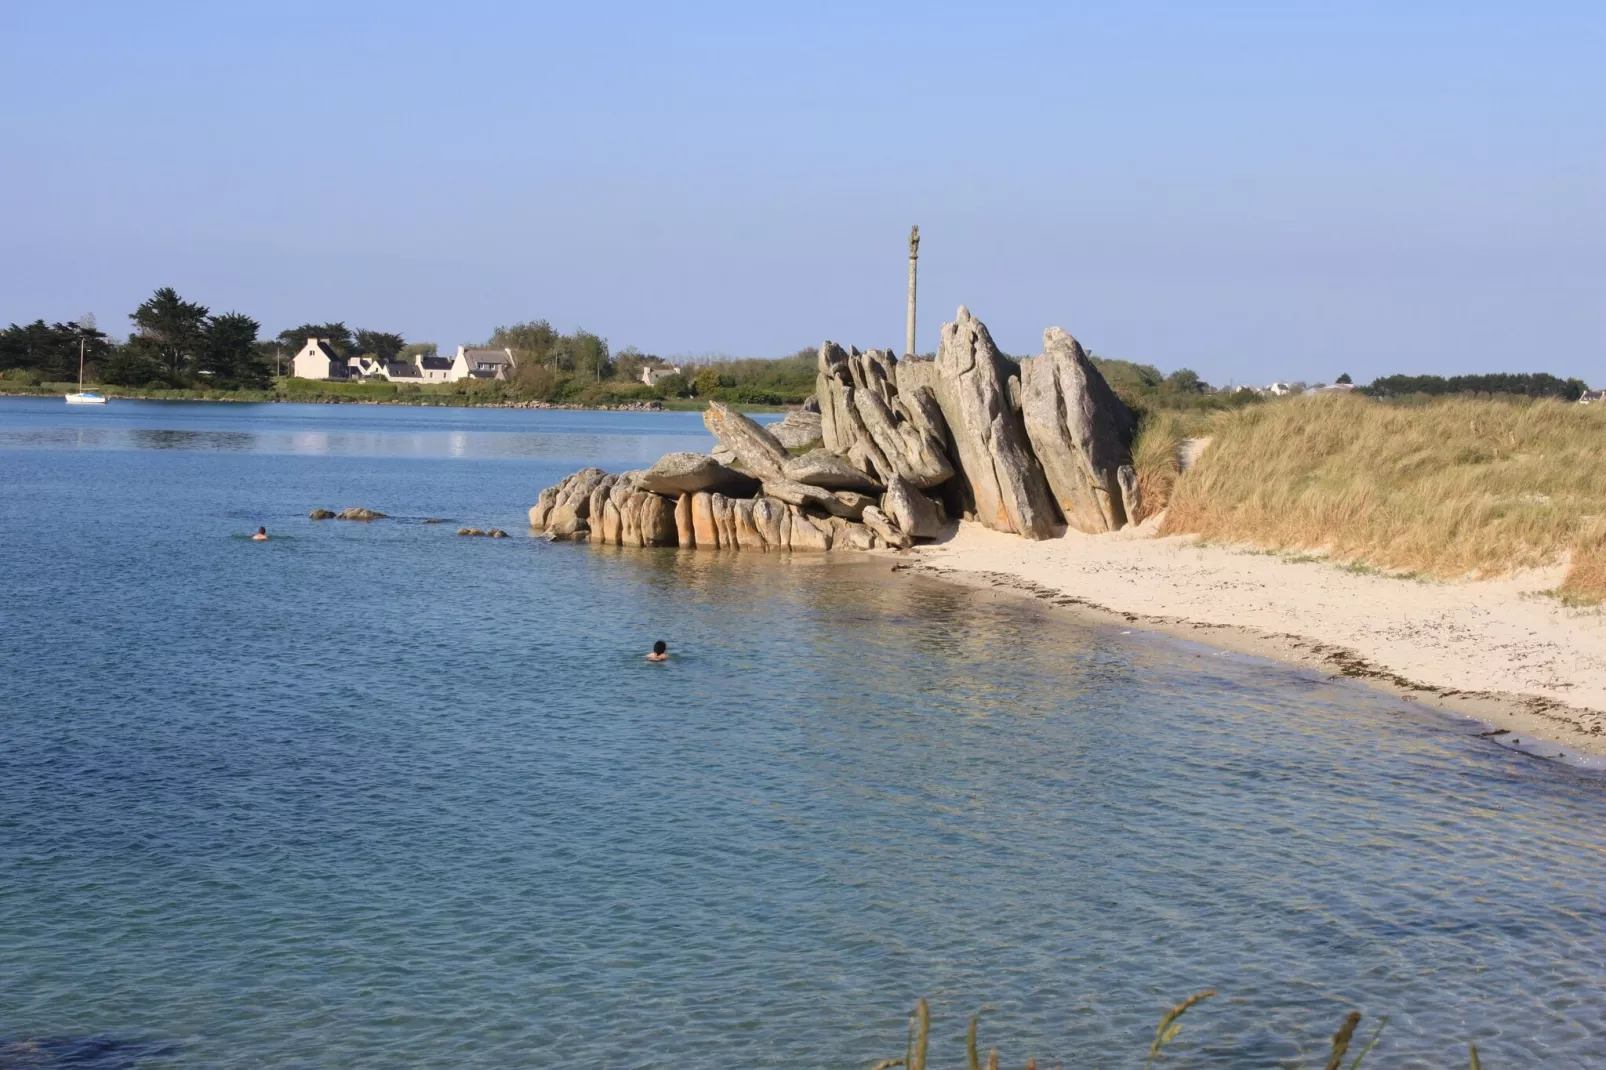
(755, 449)
(1131, 493)
(497, 533)
(822, 468)
(685, 533)
(321, 514)
(769, 515)
(704, 531)
(688, 473)
(914, 513)
(655, 519)
(724, 523)
(878, 522)
(846, 535)
(807, 535)
(357, 512)
(993, 454)
(571, 508)
(798, 430)
(1081, 432)
(470, 531)
(748, 537)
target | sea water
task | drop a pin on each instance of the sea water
(379, 795)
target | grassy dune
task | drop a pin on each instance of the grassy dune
(1455, 487)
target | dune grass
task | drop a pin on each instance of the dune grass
(1459, 487)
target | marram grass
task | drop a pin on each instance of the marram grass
(1460, 487)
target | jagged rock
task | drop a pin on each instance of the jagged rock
(755, 449)
(822, 468)
(798, 430)
(357, 512)
(807, 534)
(994, 456)
(685, 534)
(878, 522)
(704, 531)
(811, 404)
(321, 514)
(865, 418)
(914, 513)
(1080, 431)
(843, 503)
(687, 473)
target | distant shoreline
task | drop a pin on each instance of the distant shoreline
(431, 402)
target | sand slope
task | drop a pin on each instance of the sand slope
(1500, 650)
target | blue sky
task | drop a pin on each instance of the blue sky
(1256, 191)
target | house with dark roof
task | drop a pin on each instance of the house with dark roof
(401, 371)
(318, 360)
(435, 369)
(482, 364)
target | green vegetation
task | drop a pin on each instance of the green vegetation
(1532, 385)
(1453, 487)
(1146, 390)
(918, 1044)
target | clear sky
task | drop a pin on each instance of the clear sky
(1253, 190)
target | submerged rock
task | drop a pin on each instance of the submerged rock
(497, 533)
(321, 514)
(359, 513)
(1080, 431)
(470, 531)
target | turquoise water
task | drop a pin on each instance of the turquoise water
(375, 795)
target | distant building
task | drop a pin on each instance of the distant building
(481, 364)
(363, 368)
(435, 369)
(650, 375)
(401, 371)
(317, 360)
(1592, 397)
(1279, 390)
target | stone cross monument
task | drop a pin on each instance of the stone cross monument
(914, 257)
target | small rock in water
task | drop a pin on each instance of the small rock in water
(359, 513)
(434, 520)
(497, 533)
(470, 531)
(321, 514)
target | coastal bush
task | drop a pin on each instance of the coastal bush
(1457, 487)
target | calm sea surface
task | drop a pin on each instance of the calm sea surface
(376, 795)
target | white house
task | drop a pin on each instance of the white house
(1592, 397)
(317, 360)
(481, 364)
(650, 375)
(1278, 390)
(435, 369)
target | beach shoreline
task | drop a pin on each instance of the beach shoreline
(1500, 652)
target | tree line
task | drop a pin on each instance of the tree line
(180, 344)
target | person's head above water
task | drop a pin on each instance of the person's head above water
(261, 534)
(660, 647)
(262, 531)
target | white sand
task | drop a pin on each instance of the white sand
(1499, 650)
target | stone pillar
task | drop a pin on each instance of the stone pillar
(914, 257)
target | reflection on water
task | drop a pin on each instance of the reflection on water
(374, 795)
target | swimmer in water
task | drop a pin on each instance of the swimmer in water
(660, 651)
(260, 536)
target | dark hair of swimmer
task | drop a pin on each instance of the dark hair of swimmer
(659, 647)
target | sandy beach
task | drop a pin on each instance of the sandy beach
(1501, 651)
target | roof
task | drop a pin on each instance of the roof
(487, 356)
(321, 346)
(481, 373)
(436, 364)
(398, 370)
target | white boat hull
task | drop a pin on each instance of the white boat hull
(85, 399)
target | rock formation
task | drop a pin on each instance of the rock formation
(1013, 447)
(1005, 485)
(1080, 431)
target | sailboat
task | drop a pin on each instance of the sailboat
(84, 397)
